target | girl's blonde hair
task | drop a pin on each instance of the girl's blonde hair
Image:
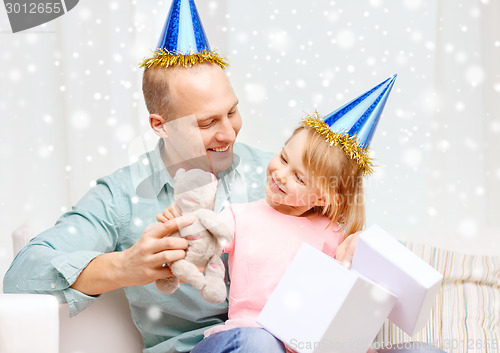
(339, 180)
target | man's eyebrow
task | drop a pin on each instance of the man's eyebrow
(210, 117)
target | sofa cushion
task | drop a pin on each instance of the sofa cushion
(466, 313)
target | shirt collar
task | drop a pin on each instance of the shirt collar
(151, 176)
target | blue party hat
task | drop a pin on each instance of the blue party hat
(183, 40)
(352, 126)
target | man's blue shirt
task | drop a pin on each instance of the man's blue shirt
(112, 216)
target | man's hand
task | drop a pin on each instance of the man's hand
(345, 250)
(143, 262)
(140, 264)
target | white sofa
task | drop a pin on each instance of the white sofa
(106, 326)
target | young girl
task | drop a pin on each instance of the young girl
(314, 194)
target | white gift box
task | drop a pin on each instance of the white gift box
(320, 306)
(386, 261)
(29, 323)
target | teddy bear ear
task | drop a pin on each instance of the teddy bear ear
(180, 171)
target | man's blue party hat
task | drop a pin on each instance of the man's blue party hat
(352, 126)
(183, 40)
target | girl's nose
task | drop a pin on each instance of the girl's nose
(281, 176)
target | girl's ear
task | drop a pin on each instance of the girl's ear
(157, 123)
(321, 201)
(324, 200)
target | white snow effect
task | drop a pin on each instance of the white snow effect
(212, 5)
(97, 96)
(413, 4)
(154, 313)
(242, 37)
(317, 99)
(417, 36)
(345, 39)
(138, 222)
(332, 16)
(376, 3)
(278, 40)
(300, 83)
(255, 92)
(15, 75)
(84, 13)
(111, 121)
(471, 144)
(31, 38)
(449, 48)
(475, 12)
(48, 119)
(480, 190)
(444, 145)
(80, 120)
(496, 86)
(461, 57)
(124, 133)
(459, 106)
(103, 151)
(468, 228)
(371, 61)
(412, 157)
(495, 126)
(45, 151)
(379, 295)
(292, 103)
(474, 75)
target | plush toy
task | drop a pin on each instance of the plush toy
(194, 194)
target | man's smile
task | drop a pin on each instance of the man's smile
(219, 149)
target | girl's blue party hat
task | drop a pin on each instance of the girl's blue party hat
(352, 126)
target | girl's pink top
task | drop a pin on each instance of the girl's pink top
(265, 242)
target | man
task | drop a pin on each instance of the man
(102, 245)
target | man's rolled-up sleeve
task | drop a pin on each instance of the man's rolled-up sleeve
(54, 259)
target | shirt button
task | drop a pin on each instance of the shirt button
(53, 285)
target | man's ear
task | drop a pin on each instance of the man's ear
(157, 123)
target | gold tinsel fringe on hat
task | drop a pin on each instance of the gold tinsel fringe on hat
(349, 144)
(166, 58)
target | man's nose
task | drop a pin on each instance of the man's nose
(226, 131)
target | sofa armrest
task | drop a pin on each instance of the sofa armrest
(29, 322)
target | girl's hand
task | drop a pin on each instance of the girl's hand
(168, 213)
(345, 250)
